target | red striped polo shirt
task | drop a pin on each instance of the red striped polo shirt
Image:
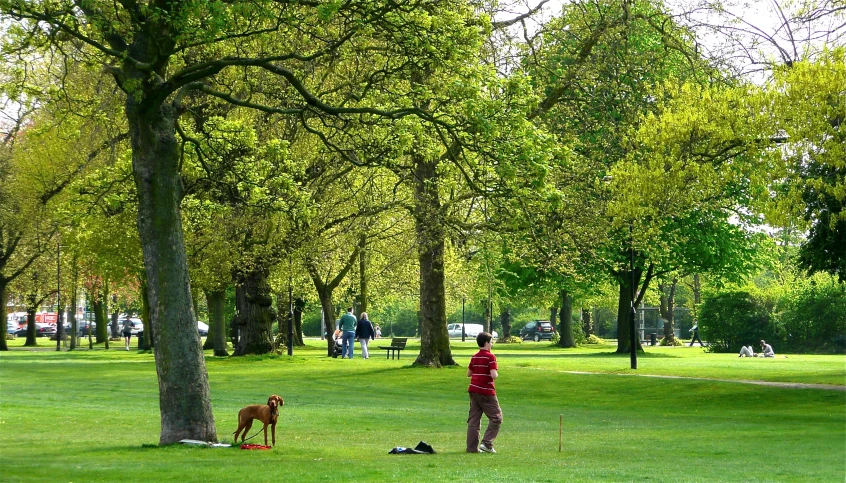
(481, 381)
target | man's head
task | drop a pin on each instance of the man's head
(349, 309)
(483, 338)
(763, 342)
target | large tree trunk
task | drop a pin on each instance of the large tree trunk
(281, 322)
(299, 305)
(115, 329)
(4, 346)
(329, 317)
(255, 313)
(149, 329)
(434, 338)
(565, 334)
(100, 319)
(72, 307)
(624, 307)
(505, 320)
(215, 299)
(30, 324)
(324, 292)
(587, 325)
(184, 398)
(667, 308)
(553, 316)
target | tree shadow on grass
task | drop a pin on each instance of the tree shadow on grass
(598, 355)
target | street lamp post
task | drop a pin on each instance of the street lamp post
(462, 320)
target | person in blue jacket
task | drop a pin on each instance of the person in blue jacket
(365, 333)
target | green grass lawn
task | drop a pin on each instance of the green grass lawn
(93, 416)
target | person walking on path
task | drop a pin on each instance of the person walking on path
(365, 333)
(695, 330)
(482, 371)
(347, 327)
(127, 332)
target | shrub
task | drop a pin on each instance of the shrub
(733, 319)
(671, 342)
(593, 339)
(510, 340)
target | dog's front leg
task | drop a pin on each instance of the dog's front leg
(273, 432)
(265, 434)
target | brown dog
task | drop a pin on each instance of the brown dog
(266, 413)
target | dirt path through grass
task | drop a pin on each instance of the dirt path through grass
(792, 385)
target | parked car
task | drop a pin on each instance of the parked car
(85, 326)
(11, 327)
(537, 330)
(41, 330)
(472, 330)
(203, 328)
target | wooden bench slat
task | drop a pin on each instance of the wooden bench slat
(396, 347)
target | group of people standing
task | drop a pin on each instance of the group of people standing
(362, 329)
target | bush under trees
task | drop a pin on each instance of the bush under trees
(809, 315)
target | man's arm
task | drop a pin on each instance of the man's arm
(469, 372)
(494, 374)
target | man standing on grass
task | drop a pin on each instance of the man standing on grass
(482, 372)
(347, 326)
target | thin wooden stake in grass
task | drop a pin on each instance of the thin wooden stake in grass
(560, 430)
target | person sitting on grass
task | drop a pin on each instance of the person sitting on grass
(766, 349)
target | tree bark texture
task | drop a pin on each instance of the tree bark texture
(553, 316)
(299, 305)
(72, 307)
(217, 331)
(429, 227)
(281, 321)
(566, 338)
(325, 296)
(30, 326)
(184, 398)
(623, 310)
(115, 329)
(149, 328)
(255, 313)
(100, 320)
(505, 320)
(4, 346)
(667, 308)
(324, 292)
(587, 324)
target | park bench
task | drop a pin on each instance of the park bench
(397, 345)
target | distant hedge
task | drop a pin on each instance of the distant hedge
(729, 320)
(810, 316)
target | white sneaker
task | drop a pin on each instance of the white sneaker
(485, 449)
